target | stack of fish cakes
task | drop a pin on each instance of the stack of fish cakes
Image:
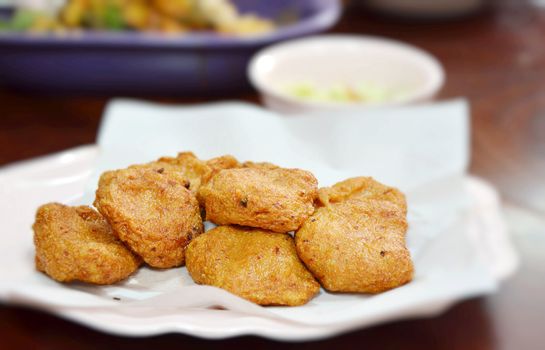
(278, 237)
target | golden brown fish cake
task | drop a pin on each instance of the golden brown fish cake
(151, 211)
(77, 244)
(193, 170)
(362, 187)
(357, 242)
(220, 163)
(262, 165)
(254, 264)
(185, 166)
(273, 199)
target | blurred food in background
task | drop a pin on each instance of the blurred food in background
(165, 16)
(343, 71)
(119, 46)
(341, 92)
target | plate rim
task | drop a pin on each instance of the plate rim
(88, 153)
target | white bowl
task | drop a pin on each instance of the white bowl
(328, 60)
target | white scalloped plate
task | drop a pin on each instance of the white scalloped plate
(63, 177)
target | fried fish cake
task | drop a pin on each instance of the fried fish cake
(356, 241)
(275, 199)
(77, 244)
(254, 264)
(262, 165)
(219, 163)
(364, 188)
(191, 169)
(151, 211)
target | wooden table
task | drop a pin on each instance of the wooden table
(495, 59)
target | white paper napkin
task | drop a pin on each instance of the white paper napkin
(405, 147)
(423, 150)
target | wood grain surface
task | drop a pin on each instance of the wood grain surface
(496, 59)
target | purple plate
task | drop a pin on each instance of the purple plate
(151, 64)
